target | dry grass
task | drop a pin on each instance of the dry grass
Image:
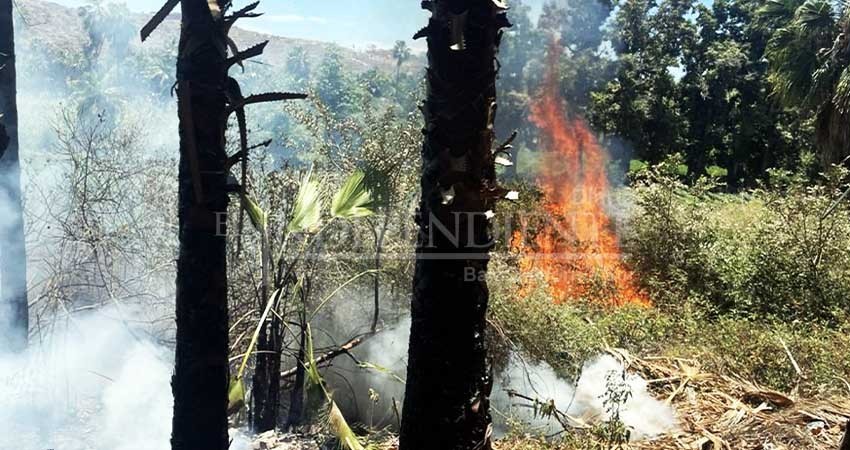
(727, 412)
(718, 412)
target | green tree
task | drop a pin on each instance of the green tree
(809, 57)
(298, 65)
(733, 121)
(641, 105)
(401, 54)
(522, 49)
(446, 403)
(333, 86)
(14, 311)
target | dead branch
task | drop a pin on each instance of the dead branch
(158, 18)
(330, 355)
(548, 408)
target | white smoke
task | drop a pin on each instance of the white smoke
(642, 413)
(89, 384)
(645, 416)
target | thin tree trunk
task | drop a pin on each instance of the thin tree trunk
(14, 313)
(376, 287)
(200, 378)
(266, 379)
(296, 396)
(446, 403)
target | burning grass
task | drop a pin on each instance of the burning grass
(735, 383)
(578, 251)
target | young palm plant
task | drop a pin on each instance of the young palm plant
(307, 220)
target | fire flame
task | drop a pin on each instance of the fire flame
(577, 249)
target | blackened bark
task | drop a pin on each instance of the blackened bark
(296, 396)
(200, 378)
(845, 443)
(266, 379)
(446, 404)
(14, 313)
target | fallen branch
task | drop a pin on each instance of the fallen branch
(548, 408)
(341, 350)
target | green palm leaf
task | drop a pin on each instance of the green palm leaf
(307, 212)
(258, 217)
(311, 368)
(235, 395)
(842, 92)
(353, 199)
(815, 16)
(348, 440)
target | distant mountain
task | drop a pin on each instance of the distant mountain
(59, 30)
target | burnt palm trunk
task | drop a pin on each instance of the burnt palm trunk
(200, 378)
(446, 404)
(14, 315)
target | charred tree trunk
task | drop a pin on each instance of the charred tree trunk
(296, 396)
(266, 379)
(446, 403)
(14, 312)
(200, 380)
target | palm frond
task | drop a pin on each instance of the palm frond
(353, 199)
(307, 212)
(815, 16)
(779, 9)
(340, 428)
(258, 217)
(841, 99)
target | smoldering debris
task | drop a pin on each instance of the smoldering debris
(367, 395)
(590, 401)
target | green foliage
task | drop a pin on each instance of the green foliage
(636, 166)
(809, 58)
(567, 335)
(353, 199)
(779, 253)
(258, 217)
(333, 85)
(716, 172)
(235, 395)
(307, 212)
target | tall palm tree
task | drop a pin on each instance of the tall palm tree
(446, 403)
(809, 56)
(14, 315)
(206, 97)
(200, 380)
(401, 53)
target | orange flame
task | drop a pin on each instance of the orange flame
(576, 250)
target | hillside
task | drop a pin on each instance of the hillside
(60, 30)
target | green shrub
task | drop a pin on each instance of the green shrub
(781, 252)
(567, 335)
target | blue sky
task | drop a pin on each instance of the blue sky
(351, 23)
